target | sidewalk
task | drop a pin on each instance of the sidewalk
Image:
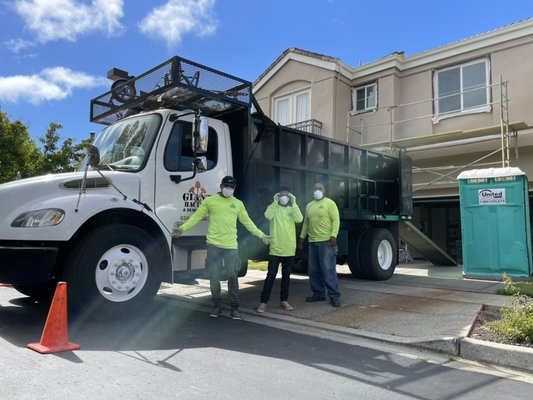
(422, 305)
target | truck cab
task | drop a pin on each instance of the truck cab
(107, 229)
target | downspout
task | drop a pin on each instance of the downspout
(335, 83)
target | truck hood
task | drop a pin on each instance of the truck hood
(68, 183)
(62, 191)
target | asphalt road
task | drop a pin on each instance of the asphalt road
(175, 352)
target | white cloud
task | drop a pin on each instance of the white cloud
(176, 18)
(50, 84)
(16, 45)
(68, 19)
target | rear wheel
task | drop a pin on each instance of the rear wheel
(113, 272)
(300, 266)
(378, 254)
(354, 261)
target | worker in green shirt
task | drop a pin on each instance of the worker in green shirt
(222, 249)
(321, 224)
(283, 213)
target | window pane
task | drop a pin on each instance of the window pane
(448, 92)
(282, 112)
(448, 104)
(474, 76)
(371, 96)
(449, 82)
(302, 107)
(475, 98)
(360, 99)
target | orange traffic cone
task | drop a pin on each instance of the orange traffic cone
(55, 332)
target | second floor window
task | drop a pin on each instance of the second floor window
(364, 98)
(293, 107)
(462, 88)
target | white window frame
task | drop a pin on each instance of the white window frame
(486, 107)
(366, 107)
(292, 106)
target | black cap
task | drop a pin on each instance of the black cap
(229, 181)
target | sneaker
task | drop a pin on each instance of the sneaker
(312, 299)
(235, 314)
(262, 308)
(335, 302)
(286, 306)
(216, 312)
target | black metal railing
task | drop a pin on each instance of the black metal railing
(310, 125)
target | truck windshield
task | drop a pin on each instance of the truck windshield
(126, 144)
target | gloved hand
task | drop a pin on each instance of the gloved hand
(300, 243)
(176, 229)
(266, 239)
(333, 241)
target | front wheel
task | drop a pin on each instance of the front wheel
(113, 272)
(378, 254)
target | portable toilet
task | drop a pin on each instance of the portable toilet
(495, 226)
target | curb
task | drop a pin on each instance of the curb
(470, 349)
(504, 355)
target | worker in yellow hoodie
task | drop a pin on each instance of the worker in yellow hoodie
(322, 224)
(224, 210)
(283, 215)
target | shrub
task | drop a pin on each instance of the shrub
(517, 321)
(511, 288)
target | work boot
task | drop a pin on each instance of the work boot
(312, 299)
(216, 312)
(335, 302)
(286, 306)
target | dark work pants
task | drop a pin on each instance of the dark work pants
(287, 263)
(218, 258)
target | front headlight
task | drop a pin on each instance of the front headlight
(39, 218)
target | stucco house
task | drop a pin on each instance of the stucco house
(461, 106)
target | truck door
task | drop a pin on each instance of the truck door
(175, 196)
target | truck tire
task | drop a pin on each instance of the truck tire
(301, 266)
(39, 292)
(113, 272)
(379, 254)
(354, 260)
(341, 260)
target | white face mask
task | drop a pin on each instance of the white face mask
(317, 194)
(227, 192)
(283, 200)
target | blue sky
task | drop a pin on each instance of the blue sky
(54, 54)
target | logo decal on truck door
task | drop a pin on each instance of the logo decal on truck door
(194, 197)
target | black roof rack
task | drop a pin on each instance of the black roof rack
(177, 84)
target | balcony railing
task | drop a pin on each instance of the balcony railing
(311, 126)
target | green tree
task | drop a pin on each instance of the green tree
(59, 158)
(18, 152)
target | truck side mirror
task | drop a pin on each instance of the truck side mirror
(201, 134)
(93, 155)
(201, 163)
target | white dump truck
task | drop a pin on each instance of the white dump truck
(171, 135)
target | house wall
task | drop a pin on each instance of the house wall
(404, 117)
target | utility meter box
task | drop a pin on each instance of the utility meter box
(496, 232)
